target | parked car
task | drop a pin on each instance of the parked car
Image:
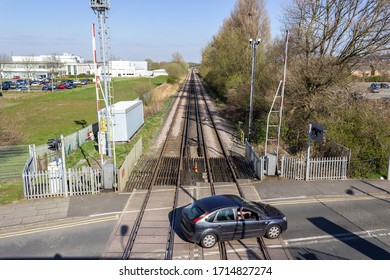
(84, 82)
(21, 88)
(35, 83)
(5, 86)
(48, 87)
(13, 85)
(62, 86)
(22, 82)
(70, 85)
(230, 217)
(374, 87)
(384, 85)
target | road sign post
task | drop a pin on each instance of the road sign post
(316, 132)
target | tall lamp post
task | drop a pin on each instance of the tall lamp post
(254, 45)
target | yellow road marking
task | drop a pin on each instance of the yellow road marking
(57, 227)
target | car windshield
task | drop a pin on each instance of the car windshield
(255, 206)
(193, 211)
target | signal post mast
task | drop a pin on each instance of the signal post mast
(103, 92)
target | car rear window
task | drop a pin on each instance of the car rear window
(193, 211)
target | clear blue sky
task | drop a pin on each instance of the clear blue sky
(139, 29)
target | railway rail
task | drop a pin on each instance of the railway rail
(183, 172)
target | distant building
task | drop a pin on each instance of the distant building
(37, 67)
(373, 66)
(159, 72)
(128, 68)
(45, 66)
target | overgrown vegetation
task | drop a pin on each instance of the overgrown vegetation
(327, 39)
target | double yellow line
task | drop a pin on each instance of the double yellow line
(58, 227)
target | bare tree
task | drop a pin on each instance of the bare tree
(54, 66)
(329, 37)
(28, 64)
(4, 58)
(177, 57)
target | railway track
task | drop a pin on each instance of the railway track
(190, 165)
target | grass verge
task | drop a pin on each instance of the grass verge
(10, 192)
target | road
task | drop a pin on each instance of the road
(328, 220)
(350, 223)
(59, 240)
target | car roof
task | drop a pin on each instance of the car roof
(215, 202)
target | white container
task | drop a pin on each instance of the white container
(128, 117)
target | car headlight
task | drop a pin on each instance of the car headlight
(285, 218)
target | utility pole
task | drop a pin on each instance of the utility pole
(106, 116)
(254, 45)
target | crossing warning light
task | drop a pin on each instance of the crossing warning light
(317, 133)
(53, 144)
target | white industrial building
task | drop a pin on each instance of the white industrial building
(45, 66)
(57, 65)
(128, 68)
(133, 69)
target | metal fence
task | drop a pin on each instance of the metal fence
(256, 162)
(12, 160)
(52, 183)
(55, 181)
(334, 168)
(72, 141)
(330, 168)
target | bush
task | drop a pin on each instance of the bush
(373, 79)
(172, 79)
(143, 91)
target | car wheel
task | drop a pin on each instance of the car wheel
(273, 232)
(208, 240)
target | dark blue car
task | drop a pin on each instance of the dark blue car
(375, 87)
(230, 217)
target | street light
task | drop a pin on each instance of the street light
(254, 45)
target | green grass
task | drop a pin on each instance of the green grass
(87, 151)
(42, 115)
(64, 112)
(10, 192)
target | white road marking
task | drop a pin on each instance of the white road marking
(331, 238)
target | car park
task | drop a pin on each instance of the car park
(230, 217)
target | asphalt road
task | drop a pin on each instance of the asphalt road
(334, 220)
(328, 220)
